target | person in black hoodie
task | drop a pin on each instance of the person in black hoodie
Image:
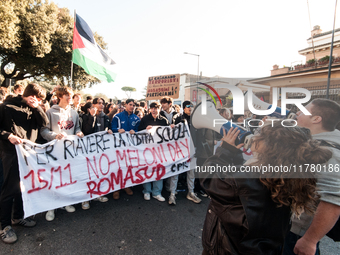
(21, 117)
(95, 121)
(187, 105)
(153, 119)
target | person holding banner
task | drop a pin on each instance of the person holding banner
(21, 118)
(148, 121)
(168, 110)
(185, 117)
(122, 122)
(250, 211)
(63, 121)
(95, 121)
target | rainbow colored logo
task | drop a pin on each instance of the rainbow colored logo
(209, 93)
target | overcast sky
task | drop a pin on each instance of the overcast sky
(233, 38)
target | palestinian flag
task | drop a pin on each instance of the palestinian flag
(89, 55)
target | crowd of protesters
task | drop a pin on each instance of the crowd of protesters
(34, 115)
(247, 214)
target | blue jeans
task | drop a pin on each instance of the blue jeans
(290, 242)
(157, 187)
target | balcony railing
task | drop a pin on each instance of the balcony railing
(318, 64)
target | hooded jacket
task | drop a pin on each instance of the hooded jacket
(60, 121)
(149, 120)
(171, 116)
(19, 119)
(181, 118)
(93, 124)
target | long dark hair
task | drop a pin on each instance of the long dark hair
(107, 108)
(85, 107)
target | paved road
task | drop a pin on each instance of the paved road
(130, 226)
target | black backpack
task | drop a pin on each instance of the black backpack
(334, 233)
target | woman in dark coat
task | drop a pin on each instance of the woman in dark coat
(250, 211)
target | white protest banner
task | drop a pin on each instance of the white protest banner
(72, 170)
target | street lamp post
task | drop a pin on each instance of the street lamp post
(198, 70)
(198, 63)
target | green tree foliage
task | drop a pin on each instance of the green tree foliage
(36, 41)
(128, 90)
(144, 91)
(8, 25)
(48, 86)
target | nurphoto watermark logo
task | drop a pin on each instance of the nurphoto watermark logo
(247, 101)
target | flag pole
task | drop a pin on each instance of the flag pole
(74, 18)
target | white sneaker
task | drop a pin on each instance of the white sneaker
(172, 199)
(50, 215)
(70, 208)
(85, 205)
(147, 196)
(159, 198)
(8, 235)
(101, 199)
